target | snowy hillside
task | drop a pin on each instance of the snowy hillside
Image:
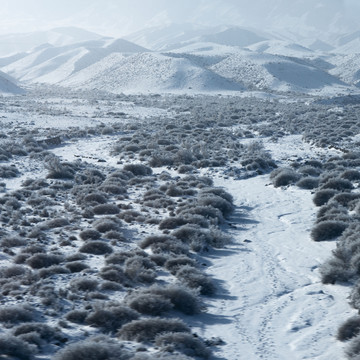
(347, 68)
(149, 72)
(8, 85)
(276, 73)
(52, 64)
(278, 47)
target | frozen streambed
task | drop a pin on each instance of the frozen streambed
(272, 304)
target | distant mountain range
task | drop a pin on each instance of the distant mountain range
(186, 58)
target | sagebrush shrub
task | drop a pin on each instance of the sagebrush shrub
(349, 329)
(90, 234)
(338, 184)
(321, 197)
(138, 169)
(114, 273)
(194, 278)
(174, 264)
(12, 271)
(111, 317)
(56, 223)
(150, 240)
(285, 177)
(77, 316)
(105, 225)
(95, 199)
(52, 270)
(106, 209)
(12, 347)
(352, 351)
(308, 183)
(144, 330)
(183, 299)
(172, 223)
(93, 349)
(184, 343)
(76, 266)
(218, 192)
(333, 270)
(217, 202)
(83, 284)
(12, 241)
(149, 304)
(96, 248)
(13, 314)
(327, 230)
(42, 260)
(45, 332)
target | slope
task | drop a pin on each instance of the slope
(8, 85)
(265, 71)
(347, 68)
(50, 64)
(149, 72)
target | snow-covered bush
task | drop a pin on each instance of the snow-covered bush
(107, 224)
(183, 299)
(114, 273)
(349, 329)
(77, 316)
(83, 284)
(321, 197)
(285, 177)
(96, 248)
(352, 351)
(42, 260)
(106, 209)
(110, 317)
(9, 171)
(138, 169)
(90, 234)
(15, 348)
(149, 304)
(12, 271)
(308, 183)
(328, 230)
(194, 278)
(95, 198)
(76, 266)
(338, 184)
(174, 264)
(14, 314)
(334, 270)
(184, 343)
(44, 334)
(145, 330)
(94, 349)
(58, 169)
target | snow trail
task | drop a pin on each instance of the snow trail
(271, 304)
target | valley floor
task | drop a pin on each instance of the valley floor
(270, 303)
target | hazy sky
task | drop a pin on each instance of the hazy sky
(120, 17)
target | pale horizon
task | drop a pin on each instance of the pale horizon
(122, 17)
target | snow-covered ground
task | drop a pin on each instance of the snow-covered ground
(270, 303)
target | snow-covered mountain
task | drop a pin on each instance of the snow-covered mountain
(149, 72)
(8, 85)
(265, 71)
(170, 37)
(193, 58)
(347, 68)
(51, 64)
(18, 43)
